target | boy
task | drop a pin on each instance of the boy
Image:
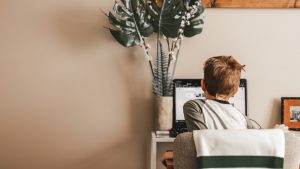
(221, 81)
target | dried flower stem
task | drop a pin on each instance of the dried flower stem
(175, 63)
(147, 54)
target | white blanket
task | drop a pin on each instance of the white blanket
(239, 148)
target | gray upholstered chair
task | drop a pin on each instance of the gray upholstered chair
(185, 151)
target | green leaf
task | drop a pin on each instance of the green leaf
(131, 23)
(127, 40)
(195, 22)
(154, 12)
(190, 31)
(126, 3)
(119, 10)
(170, 18)
(142, 20)
(121, 23)
(166, 19)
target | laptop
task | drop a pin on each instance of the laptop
(190, 89)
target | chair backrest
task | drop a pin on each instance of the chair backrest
(185, 151)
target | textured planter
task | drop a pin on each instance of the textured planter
(164, 114)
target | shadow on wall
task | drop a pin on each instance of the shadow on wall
(116, 156)
(81, 29)
(138, 80)
(276, 112)
(134, 152)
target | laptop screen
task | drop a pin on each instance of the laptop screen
(189, 89)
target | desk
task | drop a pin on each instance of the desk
(297, 133)
(154, 141)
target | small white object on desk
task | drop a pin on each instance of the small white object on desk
(154, 141)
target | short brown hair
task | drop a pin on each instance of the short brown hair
(222, 75)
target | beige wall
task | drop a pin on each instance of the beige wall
(72, 98)
(266, 41)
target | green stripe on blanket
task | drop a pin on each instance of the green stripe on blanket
(239, 161)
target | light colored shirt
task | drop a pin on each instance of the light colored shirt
(213, 114)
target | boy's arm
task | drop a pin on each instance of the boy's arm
(167, 158)
(193, 115)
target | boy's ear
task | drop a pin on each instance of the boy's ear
(203, 85)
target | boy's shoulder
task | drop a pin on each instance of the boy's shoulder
(194, 103)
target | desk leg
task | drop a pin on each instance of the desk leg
(153, 154)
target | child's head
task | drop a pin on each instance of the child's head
(222, 75)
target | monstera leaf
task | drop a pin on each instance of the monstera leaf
(132, 22)
(167, 18)
(172, 15)
(193, 26)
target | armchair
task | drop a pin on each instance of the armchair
(185, 151)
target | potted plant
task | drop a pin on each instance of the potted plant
(133, 21)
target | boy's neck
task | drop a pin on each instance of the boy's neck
(217, 97)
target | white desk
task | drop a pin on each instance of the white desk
(154, 141)
(297, 133)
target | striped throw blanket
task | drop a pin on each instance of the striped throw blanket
(239, 149)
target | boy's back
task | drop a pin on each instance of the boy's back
(213, 114)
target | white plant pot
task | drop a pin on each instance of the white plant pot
(164, 114)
